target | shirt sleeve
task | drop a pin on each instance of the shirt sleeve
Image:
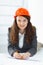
(33, 49)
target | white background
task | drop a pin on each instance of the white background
(36, 10)
(7, 11)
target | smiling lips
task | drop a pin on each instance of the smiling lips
(22, 26)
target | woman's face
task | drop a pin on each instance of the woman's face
(21, 22)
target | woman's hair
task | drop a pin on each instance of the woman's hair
(14, 30)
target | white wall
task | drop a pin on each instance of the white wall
(36, 10)
(7, 11)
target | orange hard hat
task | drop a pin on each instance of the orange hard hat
(22, 11)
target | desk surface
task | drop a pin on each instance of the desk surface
(6, 59)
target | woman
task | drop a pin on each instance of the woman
(22, 36)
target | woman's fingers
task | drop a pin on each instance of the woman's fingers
(17, 55)
(25, 55)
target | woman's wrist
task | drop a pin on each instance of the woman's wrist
(28, 53)
(15, 53)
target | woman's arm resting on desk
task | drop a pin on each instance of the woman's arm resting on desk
(33, 49)
(13, 51)
(11, 48)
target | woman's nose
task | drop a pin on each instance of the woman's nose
(22, 23)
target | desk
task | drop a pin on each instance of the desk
(37, 59)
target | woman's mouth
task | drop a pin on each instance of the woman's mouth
(22, 26)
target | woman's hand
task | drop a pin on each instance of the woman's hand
(26, 55)
(21, 56)
(17, 55)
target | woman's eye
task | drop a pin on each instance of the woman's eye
(24, 20)
(19, 20)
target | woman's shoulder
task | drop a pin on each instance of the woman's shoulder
(9, 29)
(34, 28)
